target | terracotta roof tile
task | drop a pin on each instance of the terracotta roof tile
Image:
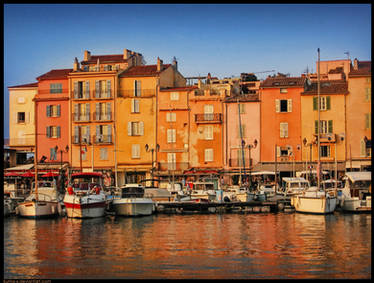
(55, 74)
(327, 87)
(183, 88)
(242, 98)
(283, 82)
(118, 58)
(147, 70)
(25, 85)
(364, 69)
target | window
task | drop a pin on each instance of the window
(170, 117)
(104, 133)
(137, 88)
(135, 106)
(55, 88)
(283, 90)
(171, 135)
(103, 154)
(326, 126)
(53, 154)
(172, 161)
(82, 90)
(135, 128)
(284, 151)
(103, 89)
(208, 156)
(368, 94)
(208, 112)
(325, 151)
(103, 111)
(325, 103)
(241, 108)
(21, 117)
(53, 110)
(53, 132)
(135, 151)
(174, 96)
(208, 132)
(367, 121)
(85, 134)
(283, 105)
(82, 112)
(283, 130)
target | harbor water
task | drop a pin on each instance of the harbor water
(207, 246)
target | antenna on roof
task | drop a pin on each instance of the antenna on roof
(347, 53)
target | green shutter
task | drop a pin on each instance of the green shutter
(315, 103)
(58, 132)
(316, 127)
(330, 127)
(328, 103)
(58, 110)
(48, 111)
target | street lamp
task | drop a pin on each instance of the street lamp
(250, 146)
(61, 171)
(152, 150)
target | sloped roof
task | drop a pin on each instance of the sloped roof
(283, 82)
(25, 85)
(364, 69)
(327, 87)
(116, 58)
(55, 74)
(242, 98)
(183, 88)
(147, 70)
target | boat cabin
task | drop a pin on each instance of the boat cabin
(295, 184)
(86, 181)
(358, 183)
(132, 191)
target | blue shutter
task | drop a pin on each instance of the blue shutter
(48, 111)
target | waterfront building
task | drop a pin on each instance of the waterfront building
(359, 116)
(22, 120)
(173, 132)
(53, 123)
(247, 129)
(333, 95)
(280, 124)
(93, 86)
(136, 117)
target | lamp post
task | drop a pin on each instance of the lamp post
(61, 171)
(152, 150)
(250, 146)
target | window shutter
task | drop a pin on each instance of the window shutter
(133, 105)
(362, 148)
(97, 89)
(51, 153)
(109, 88)
(330, 127)
(315, 103)
(76, 110)
(87, 111)
(76, 134)
(367, 121)
(328, 102)
(58, 110)
(137, 106)
(277, 105)
(289, 105)
(109, 133)
(138, 88)
(108, 110)
(129, 130)
(48, 111)
(168, 116)
(97, 115)
(48, 132)
(75, 89)
(278, 151)
(141, 128)
(87, 90)
(285, 127)
(316, 127)
(58, 132)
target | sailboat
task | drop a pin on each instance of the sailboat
(314, 200)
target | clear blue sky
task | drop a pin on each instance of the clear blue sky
(222, 39)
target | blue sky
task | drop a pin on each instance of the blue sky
(222, 39)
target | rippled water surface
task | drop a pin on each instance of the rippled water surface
(251, 246)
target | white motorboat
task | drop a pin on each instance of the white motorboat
(265, 182)
(85, 197)
(314, 201)
(356, 194)
(41, 203)
(202, 190)
(293, 186)
(130, 201)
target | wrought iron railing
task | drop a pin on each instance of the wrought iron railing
(99, 116)
(103, 139)
(77, 117)
(208, 117)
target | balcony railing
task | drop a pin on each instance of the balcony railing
(208, 118)
(102, 94)
(170, 166)
(132, 93)
(84, 139)
(103, 139)
(77, 117)
(48, 91)
(81, 95)
(98, 116)
(238, 162)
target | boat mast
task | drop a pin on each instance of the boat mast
(241, 140)
(319, 124)
(36, 152)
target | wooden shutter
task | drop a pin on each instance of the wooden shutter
(129, 128)
(362, 148)
(138, 88)
(108, 111)
(98, 114)
(58, 132)
(289, 105)
(109, 133)
(75, 89)
(59, 110)
(277, 105)
(278, 151)
(328, 102)
(315, 103)
(87, 111)
(48, 132)
(137, 106)
(330, 130)
(141, 128)
(132, 105)
(168, 136)
(87, 90)
(48, 110)
(109, 88)
(316, 127)
(97, 89)
(76, 134)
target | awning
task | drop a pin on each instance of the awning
(11, 174)
(28, 175)
(357, 163)
(22, 167)
(50, 174)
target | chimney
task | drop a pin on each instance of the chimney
(175, 63)
(125, 54)
(355, 64)
(159, 64)
(87, 55)
(76, 65)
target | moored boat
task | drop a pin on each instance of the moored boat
(129, 200)
(293, 186)
(314, 201)
(85, 197)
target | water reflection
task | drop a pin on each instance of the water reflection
(190, 246)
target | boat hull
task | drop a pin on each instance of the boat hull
(356, 205)
(38, 209)
(85, 206)
(133, 206)
(314, 205)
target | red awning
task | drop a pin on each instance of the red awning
(87, 174)
(50, 174)
(11, 174)
(28, 174)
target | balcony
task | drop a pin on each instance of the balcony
(81, 95)
(98, 116)
(103, 139)
(84, 139)
(102, 94)
(170, 166)
(49, 91)
(209, 118)
(132, 93)
(77, 117)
